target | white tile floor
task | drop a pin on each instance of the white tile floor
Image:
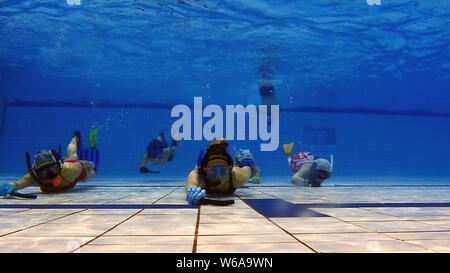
(161, 221)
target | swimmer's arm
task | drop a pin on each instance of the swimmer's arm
(194, 180)
(241, 176)
(24, 182)
(172, 153)
(256, 171)
(297, 179)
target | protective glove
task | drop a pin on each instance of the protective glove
(144, 170)
(195, 194)
(247, 162)
(6, 189)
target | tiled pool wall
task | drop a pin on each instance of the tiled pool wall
(364, 146)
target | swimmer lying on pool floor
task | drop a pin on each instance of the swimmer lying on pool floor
(215, 173)
(52, 173)
(307, 170)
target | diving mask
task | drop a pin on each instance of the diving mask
(212, 171)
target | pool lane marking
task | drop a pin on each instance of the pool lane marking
(374, 205)
(287, 232)
(96, 206)
(108, 230)
(281, 208)
(304, 206)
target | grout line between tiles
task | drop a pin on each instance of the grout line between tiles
(128, 218)
(63, 216)
(197, 226)
(381, 233)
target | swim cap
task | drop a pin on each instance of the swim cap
(298, 159)
(43, 158)
(46, 165)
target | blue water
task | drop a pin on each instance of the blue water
(369, 84)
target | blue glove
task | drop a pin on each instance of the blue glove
(6, 189)
(195, 194)
(247, 162)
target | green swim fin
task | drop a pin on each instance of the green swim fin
(93, 138)
(288, 148)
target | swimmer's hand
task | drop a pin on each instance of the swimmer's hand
(6, 189)
(194, 195)
(256, 179)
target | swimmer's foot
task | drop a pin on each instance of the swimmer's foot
(77, 134)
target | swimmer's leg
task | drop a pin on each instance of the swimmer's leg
(173, 150)
(72, 149)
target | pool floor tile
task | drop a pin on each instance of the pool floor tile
(138, 217)
(254, 248)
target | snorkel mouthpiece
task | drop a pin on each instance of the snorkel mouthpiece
(57, 181)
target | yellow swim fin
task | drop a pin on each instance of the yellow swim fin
(288, 148)
(93, 138)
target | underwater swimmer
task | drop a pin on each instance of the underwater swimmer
(158, 152)
(308, 170)
(215, 174)
(52, 173)
(245, 158)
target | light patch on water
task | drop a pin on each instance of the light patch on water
(373, 2)
(73, 2)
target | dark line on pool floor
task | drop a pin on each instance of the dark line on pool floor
(269, 207)
(375, 205)
(97, 206)
(281, 208)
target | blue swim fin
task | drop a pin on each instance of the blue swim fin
(92, 154)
